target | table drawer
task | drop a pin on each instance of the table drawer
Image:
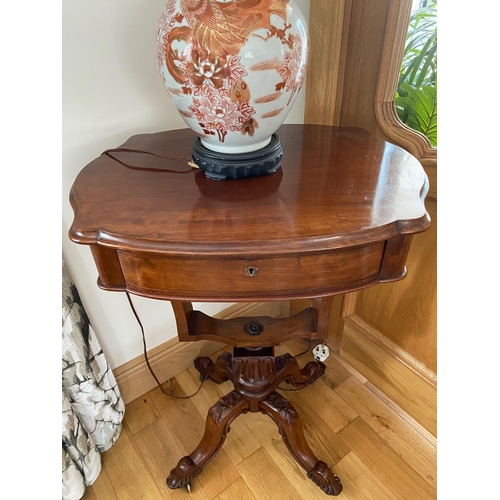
(241, 279)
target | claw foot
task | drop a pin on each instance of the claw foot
(205, 366)
(183, 474)
(316, 369)
(323, 477)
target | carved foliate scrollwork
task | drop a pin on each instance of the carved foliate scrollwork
(282, 360)
(225, 358)
(224, 403)
(183, 474)
(255, 379)
(205, 366)
(289, 371)
(323, 477)
(282, 404)
(316, 369)
(219, 372)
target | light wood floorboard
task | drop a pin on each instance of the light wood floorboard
(361, 434)
(411, 392)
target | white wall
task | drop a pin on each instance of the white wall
(111, 90)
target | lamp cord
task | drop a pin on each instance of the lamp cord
(193, 165)
(298, 356)
(202, 378)
(306, 351)
(147, 360)
(189, 162)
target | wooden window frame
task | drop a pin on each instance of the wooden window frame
(417, 144)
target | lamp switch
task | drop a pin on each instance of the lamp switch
(321, 352)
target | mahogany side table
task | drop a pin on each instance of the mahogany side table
(337, 217)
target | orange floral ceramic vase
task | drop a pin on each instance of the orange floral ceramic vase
(233, 67)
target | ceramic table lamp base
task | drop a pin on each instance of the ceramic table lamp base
(233, 69)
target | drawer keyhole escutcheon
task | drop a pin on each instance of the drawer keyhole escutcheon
(251, 271)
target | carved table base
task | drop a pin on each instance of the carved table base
(256, 373)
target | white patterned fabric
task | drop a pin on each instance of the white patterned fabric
(92, 408)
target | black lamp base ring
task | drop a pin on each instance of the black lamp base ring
(222, 166)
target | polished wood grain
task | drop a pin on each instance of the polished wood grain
(315, 274)
(233, 332)
(321, 226)
(353, 83)
(341, 174)
(275, 486)
(339, 216)
(406, 312)
(364, 52)
(237, 491)
(404, 440)
(409, 315)
(310, 322)
(159, 448)
(346, 50)
(173, 357)
(327, 60)
(256, 375)
(399, 477)
(101, 489)
(380, 458)
(364, 97)
(128, 472)
(364, 484)
(400, 355)
(404, 386)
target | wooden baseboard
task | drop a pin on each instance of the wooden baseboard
(394, 350)
(391, 370)
(173, 357)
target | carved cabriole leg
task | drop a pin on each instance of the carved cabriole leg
(288, 421)
(217, 424)
(289, 371)
(219, 372)
(255, 375)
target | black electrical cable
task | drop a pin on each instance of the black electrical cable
(189, 162)
(147, 360)
(193, 165)
(202, 379)
(306, 351)
(298, 356)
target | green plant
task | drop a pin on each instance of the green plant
(416, 97)
(419, 108)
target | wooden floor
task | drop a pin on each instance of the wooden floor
(376, 450)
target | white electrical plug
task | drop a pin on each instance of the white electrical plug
(321, 352)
